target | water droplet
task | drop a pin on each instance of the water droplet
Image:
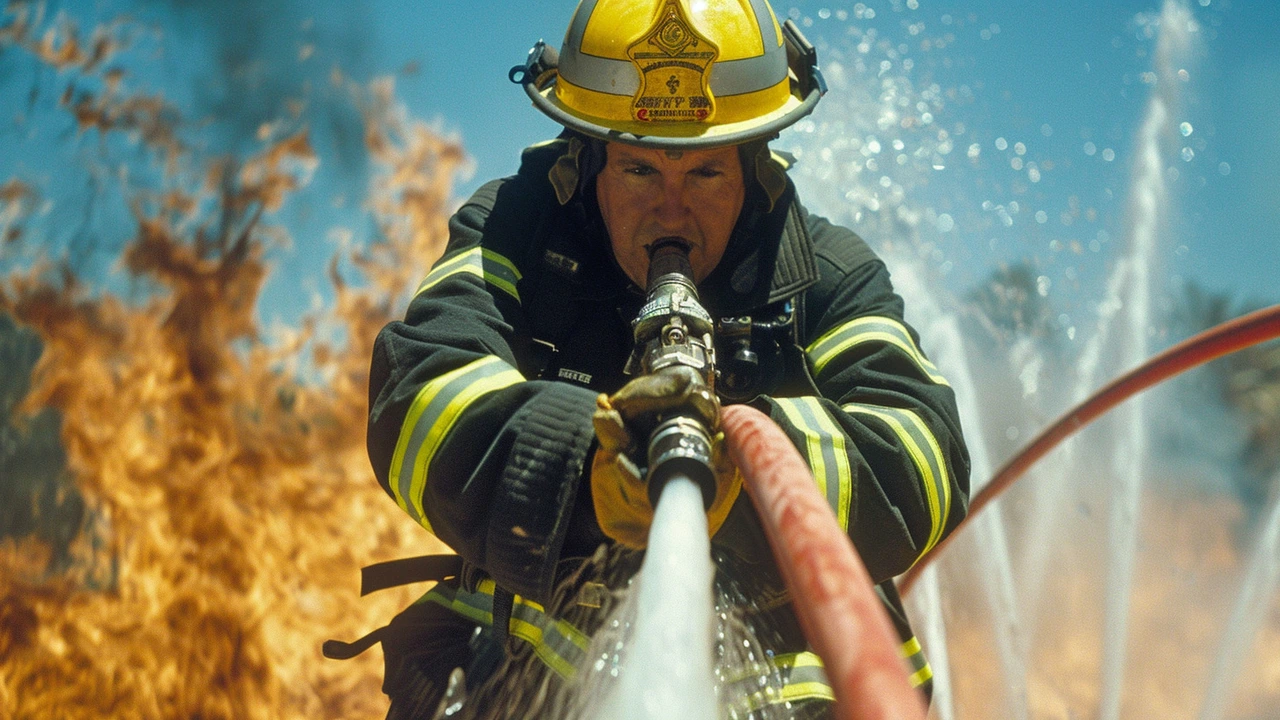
(1020, 148)
(1034, 174)
(1224, 168)
(1108, 154)
(1186, 129)
(1042, 217)
(975, 150)
(824, 13)
(1090, 149)
(1043, 283)
(946, 223)
(1188, 154)
(1002, 144)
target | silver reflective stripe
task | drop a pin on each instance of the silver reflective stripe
(558, 644)
(803, 677)
(925, 454)
(483, 263)
(825, 450)
(563, 648)
(620, 77)
(870, 329)
(800, 676)
(432, 415)
(919, 664)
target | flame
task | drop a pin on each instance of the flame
(230, 496)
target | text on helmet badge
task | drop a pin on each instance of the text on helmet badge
(674, 62)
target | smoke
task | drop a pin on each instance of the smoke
(259, 63)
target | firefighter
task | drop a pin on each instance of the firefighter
(501, 418)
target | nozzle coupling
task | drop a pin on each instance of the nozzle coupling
(681, 446)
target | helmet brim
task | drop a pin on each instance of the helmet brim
(673, 137)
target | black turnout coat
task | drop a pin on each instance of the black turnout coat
(481, 398)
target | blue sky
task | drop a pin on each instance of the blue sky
(1057, 86)
(1074, 67)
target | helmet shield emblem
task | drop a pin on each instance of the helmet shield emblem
(674, 61)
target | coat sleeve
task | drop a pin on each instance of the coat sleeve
(882, 435)
(487, 460)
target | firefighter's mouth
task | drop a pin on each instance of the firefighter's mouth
(666, 241)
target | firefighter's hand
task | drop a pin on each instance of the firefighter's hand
(623, 423)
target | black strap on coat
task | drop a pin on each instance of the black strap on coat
(395, 573)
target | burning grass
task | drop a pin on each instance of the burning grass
(229, 498)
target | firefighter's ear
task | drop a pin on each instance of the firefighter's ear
(564, 173)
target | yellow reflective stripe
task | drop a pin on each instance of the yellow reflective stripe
(573, 634)
(791, 692)
(786, 661)
(462, 262)
(803, 674)
(869, 329)
(480, 262)
(501, 273)
(910, 647)
(452, 601)
(925, 454)
(826, 451)
(805, 677)
(914, 655)
(532, 634)
(431, 416)
(921, 676)
(529, 622)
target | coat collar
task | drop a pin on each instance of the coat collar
(770, 259)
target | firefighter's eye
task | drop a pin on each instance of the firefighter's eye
(640, 169)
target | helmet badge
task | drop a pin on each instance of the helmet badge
(674, 62)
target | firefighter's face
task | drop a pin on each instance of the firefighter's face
(646, 194)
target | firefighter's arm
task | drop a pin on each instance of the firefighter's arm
(882, 435)
(485, 459)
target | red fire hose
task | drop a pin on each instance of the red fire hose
(838, 608)
(1256, 327)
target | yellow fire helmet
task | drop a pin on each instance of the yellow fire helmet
(679, 74)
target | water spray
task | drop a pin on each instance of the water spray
(668, 672)
(1234, 335)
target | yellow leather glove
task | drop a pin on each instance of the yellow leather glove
(623, 423)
